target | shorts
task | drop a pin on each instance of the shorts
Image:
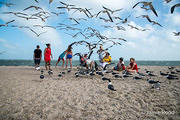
(69, 56)
(60, 59)
(37, 61)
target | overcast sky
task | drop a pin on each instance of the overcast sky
(158, 43)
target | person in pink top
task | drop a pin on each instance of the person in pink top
(47, 56)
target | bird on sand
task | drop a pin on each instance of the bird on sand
(171, 77)
(163, 74)
(147, 4)
(174, 6)
(104, 78)
(110, 86)
(137, 78)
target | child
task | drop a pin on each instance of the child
(61, 57)
(120, 66)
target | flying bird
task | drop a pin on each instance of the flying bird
(174, 6)
(6, 24)
(176, 33)
(147, 4)
(7, 4)
(36, 33)
(35, 7)
(57, 14)
(50, 1)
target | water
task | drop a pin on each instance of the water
(76, 62)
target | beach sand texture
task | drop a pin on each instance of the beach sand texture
(24, 96)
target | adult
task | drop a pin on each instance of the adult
(101, 53)
(37, 57)
(120, 66)
(69, 56)
(47, 56)
(132, 66)
(89, 64)
(61, 57)
(106, 61)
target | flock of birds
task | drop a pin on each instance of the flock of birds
(147, 75)
(87, 32)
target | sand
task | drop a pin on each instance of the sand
(24, 96)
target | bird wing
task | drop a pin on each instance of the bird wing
(33, 32)
(10, 22)
(28, 8)
(173, 7)
(109, 16)
(152, 8)
(36, 1)
(136, 4)
(50, 1)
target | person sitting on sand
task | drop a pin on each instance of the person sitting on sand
(106, 61)
(48, 56)
(37, 57)
(120, 66)
(132, 66)
(69, 57)
(87, 62)
(61, 57)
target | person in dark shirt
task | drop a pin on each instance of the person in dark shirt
(37, 57)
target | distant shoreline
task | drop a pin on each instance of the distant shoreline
(76, 63)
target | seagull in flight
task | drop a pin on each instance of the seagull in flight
(36, 33)
(6, 24)
(147, 4)
(35, 7)
(174, 6)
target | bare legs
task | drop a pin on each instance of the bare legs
(47, 65)
(70, 60)
(59, 61)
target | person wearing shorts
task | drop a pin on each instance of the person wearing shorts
(61, 57)
(37, 56)
(47, 57)
(69, 57)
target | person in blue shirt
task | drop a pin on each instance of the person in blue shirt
(61, 57)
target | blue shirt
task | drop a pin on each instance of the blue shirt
(62, 55)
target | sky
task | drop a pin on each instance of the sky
(157, 43)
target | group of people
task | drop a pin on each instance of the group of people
(104, 60)
(48, 55)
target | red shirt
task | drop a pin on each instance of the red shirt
(47, 55)
(135, 66)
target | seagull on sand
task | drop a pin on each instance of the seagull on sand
(155, 84)
(110, 86)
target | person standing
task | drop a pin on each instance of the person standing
(69, 57)
(61, 57)
(37, 57)
(47, 56)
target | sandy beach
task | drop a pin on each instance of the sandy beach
(24, 96)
